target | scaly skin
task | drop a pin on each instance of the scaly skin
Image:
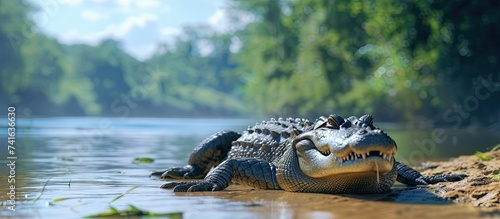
(333, 155)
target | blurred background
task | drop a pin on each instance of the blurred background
(99, 83)
(422, 63)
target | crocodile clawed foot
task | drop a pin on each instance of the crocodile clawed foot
(185, 172)
(420, 181)
(454, 177)
(157, 173)
(443, 178)
(411, 177)
(194, 186)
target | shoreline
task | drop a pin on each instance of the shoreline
(479, 189)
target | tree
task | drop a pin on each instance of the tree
(15, 30)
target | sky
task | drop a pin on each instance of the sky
(139, 24)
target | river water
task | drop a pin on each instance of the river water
(74, 167)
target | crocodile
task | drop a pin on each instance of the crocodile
(332, 155)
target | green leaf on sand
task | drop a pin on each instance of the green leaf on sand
(133, 211)
(483, 156)
(496, 176)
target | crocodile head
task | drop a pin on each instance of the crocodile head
(344, 155)
(338, 146)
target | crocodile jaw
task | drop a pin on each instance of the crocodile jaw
(370, 152)
(316, 165)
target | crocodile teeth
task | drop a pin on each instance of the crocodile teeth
(355, 156)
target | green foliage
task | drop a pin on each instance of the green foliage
(398, 60)
(124, 193)
(57, 200)
(389, 58)
(41, 191)
(143, 160)
(496, 176)
(482, 156)
(14, 16)
(195, 82)
(496, 147)
(134, 211)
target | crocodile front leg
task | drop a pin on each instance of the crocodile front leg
(253, 172)
(409, 176)
(209, 153)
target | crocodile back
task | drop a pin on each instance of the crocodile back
(268, 140)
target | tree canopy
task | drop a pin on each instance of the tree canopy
(400, 61)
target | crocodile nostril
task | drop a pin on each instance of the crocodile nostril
(362, 132)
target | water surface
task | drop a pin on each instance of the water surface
(88, 161)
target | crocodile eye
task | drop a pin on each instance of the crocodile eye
(366, 119)
(333, 121)
(304, 145)
(336, 120)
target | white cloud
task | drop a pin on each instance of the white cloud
(124, 3)
(127, 25)
(220, 20)
(139, 24)
(115, 31)
(130, 5)
(139, 20)
(145, 4)
(217, 18)
(70, 2)
(92, 15)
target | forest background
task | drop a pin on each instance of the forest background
(416, 61)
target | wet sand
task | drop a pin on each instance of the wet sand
(477, 196)
(479, 189)
(401, 203)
